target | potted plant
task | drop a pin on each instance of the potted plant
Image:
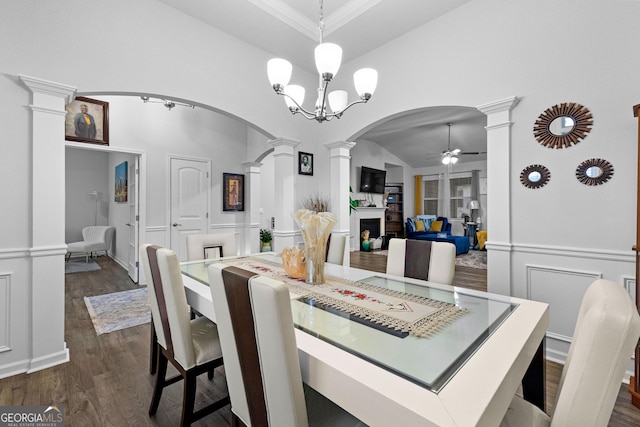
(265, 238)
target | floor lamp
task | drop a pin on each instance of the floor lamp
(95, 215)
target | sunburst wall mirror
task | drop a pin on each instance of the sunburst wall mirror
(594, 172)
(562, 126)
(535, 176)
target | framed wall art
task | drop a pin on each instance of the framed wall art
(87, 121)
(305, 163)
(233, 192)
(122, 183)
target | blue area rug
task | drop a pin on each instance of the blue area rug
(78, 265)
(119, 310)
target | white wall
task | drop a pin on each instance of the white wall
(86, 171)
(488, 50)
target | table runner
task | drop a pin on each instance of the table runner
(400, 311)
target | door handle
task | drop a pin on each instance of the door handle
(128, 225)
(175, 224)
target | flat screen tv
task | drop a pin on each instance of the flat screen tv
(372, 180)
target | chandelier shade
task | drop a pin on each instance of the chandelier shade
(328, 57)
(338, 99)
(295, 96)
(365, 81)
(279, 71)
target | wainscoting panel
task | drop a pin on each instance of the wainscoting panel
(157, 235)
(5, 311)
(563, 290)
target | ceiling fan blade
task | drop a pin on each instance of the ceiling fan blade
(473, 153)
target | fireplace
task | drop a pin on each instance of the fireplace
(371, 224)
(370, 218)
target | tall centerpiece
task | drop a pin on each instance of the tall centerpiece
(315, 224)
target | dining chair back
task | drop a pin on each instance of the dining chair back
(336, 248)
(258, 332)
(191, 346)
(210, 246)
(422, 259)
(607, 330)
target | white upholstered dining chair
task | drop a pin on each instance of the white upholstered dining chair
(421, 259)
(258, 341)
(207, 246)
(606, 332)
(191, 346)
(336, 248)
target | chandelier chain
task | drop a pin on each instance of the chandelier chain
(321, 22)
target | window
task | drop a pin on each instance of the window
(430, 197)
(460, 196)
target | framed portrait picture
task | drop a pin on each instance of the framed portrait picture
(87, 121)
(233, 192)
(122, 183)
(305, 163)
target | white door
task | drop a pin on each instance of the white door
(134, 216)
(189, 201)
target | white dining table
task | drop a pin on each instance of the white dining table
(464, 375)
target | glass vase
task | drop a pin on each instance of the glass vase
(315, 228)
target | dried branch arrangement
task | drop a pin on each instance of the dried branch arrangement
(316, 203)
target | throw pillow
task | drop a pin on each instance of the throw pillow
(419, 225)
(410, 225)
(436, 226)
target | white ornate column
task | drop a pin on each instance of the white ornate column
(284, 196)
(340, 155)
(48, 100)
(499, 243)
(252, 198)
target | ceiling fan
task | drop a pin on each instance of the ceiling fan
(449, 156)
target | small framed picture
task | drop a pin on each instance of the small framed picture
(233, 192)
(305, 163)
(87, 121)
(122, 183)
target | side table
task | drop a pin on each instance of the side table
(471, 233)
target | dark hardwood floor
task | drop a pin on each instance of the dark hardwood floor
(107, 381)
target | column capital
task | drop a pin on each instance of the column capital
(499, 106)
(252, 167)
(49, 88)
(348, 145)
(283, 141)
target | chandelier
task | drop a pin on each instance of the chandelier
(328, 57)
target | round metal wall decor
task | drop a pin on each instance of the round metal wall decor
(594, 171)
(562, 126)
(535, 176)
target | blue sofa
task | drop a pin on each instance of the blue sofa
(461, 242)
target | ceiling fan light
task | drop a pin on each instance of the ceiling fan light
(338, 100)
(297, 93)
(446, 160)
(279, 71)
(365, 81)
(454, 160)
(328, 58)
(456, 151)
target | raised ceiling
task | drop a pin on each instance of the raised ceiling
(289, 29)
(276, 26)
